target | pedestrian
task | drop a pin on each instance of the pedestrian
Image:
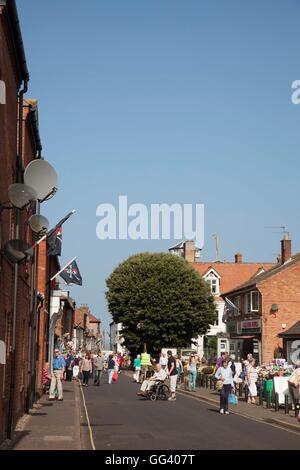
(179, 367)
(186, 373)
(251, 381)
(192, 373)
(224, 373)
(98, 366)
(57, 375)
(110, 368)
(159, 375)
(172, 372)
(46, 377)
(86, 368)
(76, 367)
(69, 366)
(137, 368)
(294, 386)
(120, 362)
(220, 359)
(146, 364)
(163, 360)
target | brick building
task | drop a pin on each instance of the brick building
(221, 276)
(266, 305)
(86, 333)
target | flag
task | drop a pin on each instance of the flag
(54, 237)
(55, 242)
(71, 274)
(227, 307)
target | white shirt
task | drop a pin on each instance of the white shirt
(161, 375)
(163, 361)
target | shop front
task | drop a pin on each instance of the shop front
(245, 338)
(291, 343)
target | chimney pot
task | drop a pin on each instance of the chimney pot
(238, 258)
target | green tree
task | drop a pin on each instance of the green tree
(160, 300)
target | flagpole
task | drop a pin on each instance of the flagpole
(71, 261)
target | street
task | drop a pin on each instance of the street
(120, 420)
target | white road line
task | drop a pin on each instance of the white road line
(88, 420)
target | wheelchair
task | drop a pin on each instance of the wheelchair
(159, 391)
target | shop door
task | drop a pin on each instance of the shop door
(247, 347)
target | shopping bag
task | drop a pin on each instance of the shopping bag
(219, 385)
(232, 399)
(115, 376)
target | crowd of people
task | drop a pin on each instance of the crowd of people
(81, 366)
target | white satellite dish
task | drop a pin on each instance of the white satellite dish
(42, 177)
(38, 223)
(17, 251)
(20, 194)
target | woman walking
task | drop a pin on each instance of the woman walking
(111, 368)
(224, 373)
(192, 373)
(86, 367)
(137, 368)
(251, 380)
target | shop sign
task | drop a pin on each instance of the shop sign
(251, 326)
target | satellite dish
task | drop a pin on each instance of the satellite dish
(42, 177)
(38, 223)
(17, 251)
(20, 194)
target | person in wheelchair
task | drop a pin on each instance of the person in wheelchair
(159, 376)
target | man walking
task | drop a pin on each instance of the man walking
(99, 366)
(172, 371)
(57, 375)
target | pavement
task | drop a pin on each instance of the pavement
(51, 425)
(120, 420)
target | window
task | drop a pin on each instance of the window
(214, 285)
(252, 302)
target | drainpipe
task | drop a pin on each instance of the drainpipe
(19, 178)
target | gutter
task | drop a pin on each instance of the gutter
(14, 26)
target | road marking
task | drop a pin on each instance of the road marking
(258, 420)
(88, 420)
(58, 438)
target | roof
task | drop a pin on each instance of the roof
(78, 318)
(232, 274)
(93, 319)
(278, 268)
(293, 331)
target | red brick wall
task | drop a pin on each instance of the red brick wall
(283, 290)
(8, 152)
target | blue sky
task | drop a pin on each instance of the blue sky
(167, 101)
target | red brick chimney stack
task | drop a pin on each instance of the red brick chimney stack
(286, 249)
(238, 258)
(189, 251)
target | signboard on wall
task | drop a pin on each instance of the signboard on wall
(251, 326)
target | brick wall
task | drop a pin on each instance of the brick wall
(282, 289)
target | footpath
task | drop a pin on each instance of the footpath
(51, 425)
(256, 412)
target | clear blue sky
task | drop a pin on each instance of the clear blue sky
(167, 101)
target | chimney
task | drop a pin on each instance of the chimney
(286, 249)
(238, 258)
(189, 251)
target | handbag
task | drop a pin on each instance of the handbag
(115, 376)
(232, 399)
(219, 385)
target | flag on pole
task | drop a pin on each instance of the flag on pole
(54, 237)
(71, 274)
(227, 307)
(55, 242)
